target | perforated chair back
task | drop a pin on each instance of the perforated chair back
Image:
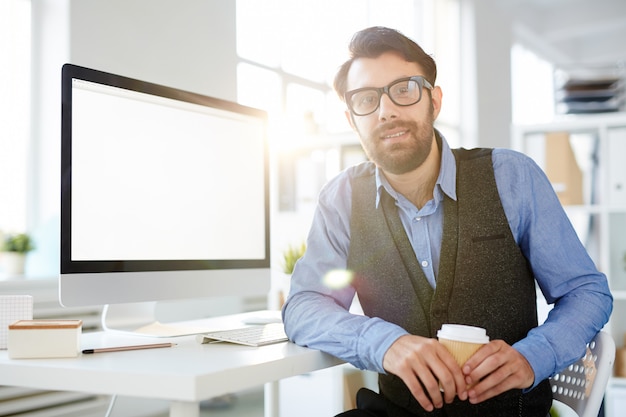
(581, 385)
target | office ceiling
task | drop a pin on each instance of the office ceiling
(573, 34)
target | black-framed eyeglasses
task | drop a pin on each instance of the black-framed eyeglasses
(403, 92)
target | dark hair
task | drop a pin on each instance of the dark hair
(373, 42)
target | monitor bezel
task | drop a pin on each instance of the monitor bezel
(69, 266)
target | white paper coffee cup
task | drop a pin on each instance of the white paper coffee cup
(462, 341)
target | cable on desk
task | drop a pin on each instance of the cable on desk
(111, 404)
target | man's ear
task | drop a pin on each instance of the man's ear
(350, 119)
(436, 97)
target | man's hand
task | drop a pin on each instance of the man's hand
(496, 368)
(424, 363)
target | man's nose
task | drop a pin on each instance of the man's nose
(387, 109)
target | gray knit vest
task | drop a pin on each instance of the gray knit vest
(484, 279)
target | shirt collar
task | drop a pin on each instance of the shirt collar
(446, 181)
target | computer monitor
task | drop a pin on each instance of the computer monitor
(164, 195)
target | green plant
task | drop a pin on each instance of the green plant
(20, 243)
(291, 256)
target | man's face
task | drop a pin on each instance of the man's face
(397, 138)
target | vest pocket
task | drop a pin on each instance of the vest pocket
(476, 239)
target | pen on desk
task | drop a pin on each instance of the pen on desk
(132, 347)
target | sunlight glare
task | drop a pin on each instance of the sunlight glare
(338, 278)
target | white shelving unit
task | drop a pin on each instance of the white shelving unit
(585, 158)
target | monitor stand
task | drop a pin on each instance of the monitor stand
(140, 319)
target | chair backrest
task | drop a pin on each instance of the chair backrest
(581, 385)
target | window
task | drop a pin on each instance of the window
(14, 112)
(303, 43)
(288, 55)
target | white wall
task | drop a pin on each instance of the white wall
(50, 49)
(487, 74)
(185, 44)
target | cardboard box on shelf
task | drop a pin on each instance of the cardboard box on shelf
(562, 168)
(620, 362)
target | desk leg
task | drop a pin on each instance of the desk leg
(184, 409)
(271, 403)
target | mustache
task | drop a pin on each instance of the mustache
(385, 127)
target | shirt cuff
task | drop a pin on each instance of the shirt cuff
(375, 341)
(539, 355)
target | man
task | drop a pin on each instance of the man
(425, 235)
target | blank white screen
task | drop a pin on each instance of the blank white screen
(160, 179)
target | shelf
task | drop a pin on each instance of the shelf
(598, 144)
(585, 208)
(619, 295)
(595, 208)
(618, 381)
(577, 123)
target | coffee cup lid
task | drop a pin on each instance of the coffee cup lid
(463, 333)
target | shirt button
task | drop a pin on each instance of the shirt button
(424, 264)
(417, 219)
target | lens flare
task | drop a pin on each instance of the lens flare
(338, 279)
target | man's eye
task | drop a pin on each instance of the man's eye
(402, 89)
(368, 99)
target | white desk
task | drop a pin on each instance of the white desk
(185, 374)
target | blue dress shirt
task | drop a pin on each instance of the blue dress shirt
(317, 315)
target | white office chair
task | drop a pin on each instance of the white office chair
(581, 385)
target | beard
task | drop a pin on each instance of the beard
(401, 157)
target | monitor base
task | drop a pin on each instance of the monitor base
(140, 319)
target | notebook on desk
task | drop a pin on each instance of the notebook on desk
(255, 335)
